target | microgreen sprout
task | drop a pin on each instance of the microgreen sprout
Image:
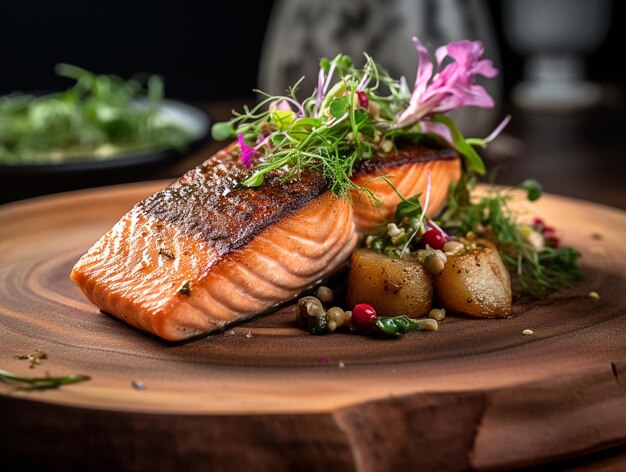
(537, 267)
(357, 113)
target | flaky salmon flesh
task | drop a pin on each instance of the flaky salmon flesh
(204, 252)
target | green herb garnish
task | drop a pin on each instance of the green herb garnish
(100, 116)
(537, 268)
(357, 113)
(39, 383)
(395, 325)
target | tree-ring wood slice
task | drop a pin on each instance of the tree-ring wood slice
(475, 393)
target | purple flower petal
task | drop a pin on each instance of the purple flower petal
(247, 152)
(285, 102)
(438, 129)
(452, 86)
(281, 104)
(494, 134)
(424, 67)
(320, 85)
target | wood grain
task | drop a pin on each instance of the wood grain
(476, 393)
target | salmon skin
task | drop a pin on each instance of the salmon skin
(204, 252)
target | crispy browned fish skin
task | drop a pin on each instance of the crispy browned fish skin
(203, 252)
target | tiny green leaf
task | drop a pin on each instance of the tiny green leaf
(533, 189)
(339, 106)
(325, 64)
(282, 118)
(277, 139)
(345, 61)
(473, 161)
(410, 208)
(222, 131)
(306, 122)
(255, 180)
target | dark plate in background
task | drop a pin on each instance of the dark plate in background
(30, 180)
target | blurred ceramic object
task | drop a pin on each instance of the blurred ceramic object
(555, 34)
(300, 32)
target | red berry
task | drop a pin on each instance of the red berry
(538, 223)
(363, 100)
(548, 231)
(363, 316)
(552, 241)
(433, 238)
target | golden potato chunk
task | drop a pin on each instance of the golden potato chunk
(392, 287)
(475, 283)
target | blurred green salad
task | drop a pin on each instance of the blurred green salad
(100, 116)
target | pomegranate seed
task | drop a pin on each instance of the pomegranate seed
(433, 238)
(538, 223)
(363, 100)
(363, 316)
(552, 241)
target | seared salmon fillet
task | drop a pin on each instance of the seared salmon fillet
(204, 252)
(409, 175)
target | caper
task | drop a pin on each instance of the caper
(427, 324)
(434, 264)
(413, 223)
(437, 314)
(393, 252)
(348, 322)
(309, 307)
(324, 294)
(453, 247)
(337, 315)
(318, 324)
(393, 230)
(312, 316)
(400, 238)
(387, 146)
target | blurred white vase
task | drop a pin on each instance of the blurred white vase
(556, 34)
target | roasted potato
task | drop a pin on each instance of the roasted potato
(393, 287)
(475, 283)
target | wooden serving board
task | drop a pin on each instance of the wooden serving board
(268, 396)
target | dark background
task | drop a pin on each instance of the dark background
(204, 50)
(209, 52)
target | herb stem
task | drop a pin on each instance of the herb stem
(40, 383)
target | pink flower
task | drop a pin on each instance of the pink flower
(439, 129)
(451, 87)
(247, 152)
(284, 104)
(280, 105)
